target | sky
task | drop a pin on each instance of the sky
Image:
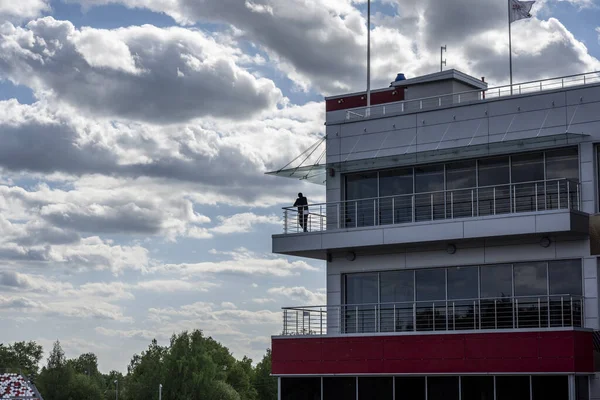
(135, 136)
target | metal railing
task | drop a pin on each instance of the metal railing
(445, 315)
(427, 103)
(553, 194)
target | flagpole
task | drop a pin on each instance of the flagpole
(369, 53)
(510, 49)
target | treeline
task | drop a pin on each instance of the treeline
(191, 367)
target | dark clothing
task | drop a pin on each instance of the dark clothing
(302, 204)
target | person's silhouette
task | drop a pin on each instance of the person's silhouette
(302, 204)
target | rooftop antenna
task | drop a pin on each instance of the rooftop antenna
(442, 61)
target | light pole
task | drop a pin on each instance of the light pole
(117, 389)
(160, 391)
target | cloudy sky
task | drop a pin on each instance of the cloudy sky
(134, 137)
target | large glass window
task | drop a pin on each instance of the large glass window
(477, 388)
(442, 388)
(463, 290)
(429, 186)
(375, 388)
(496, 292)
(361, 289)
(565, 285)
(339, 388)
(431, 286)
(412, 388)
(523, 295)
(300, 388)
(359, 188)
(527, 167)
(397, 296)
(530, 279)
(395, 188)
(549, 387)
(494, 186)
(461, 182)
(512, 388)
(488, 186)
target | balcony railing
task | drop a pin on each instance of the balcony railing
(512, 198)
(531, 312)
(428, 103)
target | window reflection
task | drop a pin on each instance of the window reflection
(489, 186)
(533, 294)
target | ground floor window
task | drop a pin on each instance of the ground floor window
(470, 387)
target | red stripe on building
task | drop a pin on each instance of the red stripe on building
(510, 352)
(360, 100)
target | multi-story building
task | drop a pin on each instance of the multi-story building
(456, 231)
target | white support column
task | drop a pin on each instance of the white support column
(572, 392)
(278, 388)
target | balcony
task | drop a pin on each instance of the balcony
(554, 311)
(559, 194)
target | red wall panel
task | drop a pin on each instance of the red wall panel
(360, 100)
(543, 351)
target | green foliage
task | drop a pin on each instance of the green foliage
(265, 384)
(191, 367)
(23, 356)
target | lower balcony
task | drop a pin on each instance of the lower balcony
(539, 312)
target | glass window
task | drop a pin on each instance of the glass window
(463, 283)
(362, 288)
(361, 186)
(582, 388)
(412, 388)
(397, 296)
(300, 388)
(512, 388)
(565, 277)
(375, 388)
(431, 284)
(397, 286)
(339, 388)
(563, 163)
(527, 167)
(477, 387)
(550, 387)
(496, 281)
(395, 182)
(530, 279)
(493, 171)
(429, 178)
(461, 175)
(442, 388)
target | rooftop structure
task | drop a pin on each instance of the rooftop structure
(461, 244)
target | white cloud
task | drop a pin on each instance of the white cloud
(244, 222)
(175, 286)
(227, 305)
(242, 262)
(132, 72)
(263, 300)
(300, 293)
(22, 9)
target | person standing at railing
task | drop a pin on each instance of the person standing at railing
(302, 204)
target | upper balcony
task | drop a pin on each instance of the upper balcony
(526, 208)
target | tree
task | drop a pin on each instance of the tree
(144, 373)
(83, 387)
(56, 376)
(264, 383)
(23, 356)
(240, 377)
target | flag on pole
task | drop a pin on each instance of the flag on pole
(520, 10)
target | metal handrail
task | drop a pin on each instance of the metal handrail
(489, 93)
(446, 204)
(518, 312)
